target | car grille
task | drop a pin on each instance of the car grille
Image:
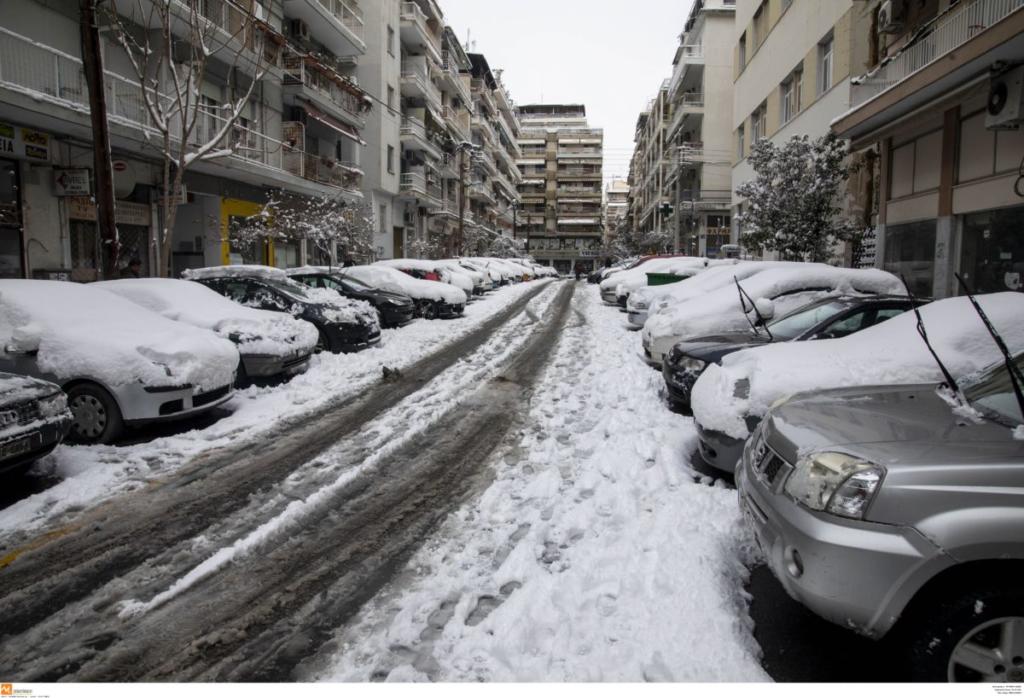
(20, 415)
(212, 396)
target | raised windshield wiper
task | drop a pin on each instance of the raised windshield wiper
(950, 381)
(744, 297)
(1016, 379)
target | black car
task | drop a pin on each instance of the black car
(344, 325)
(828, 318)
(34, 419)
(393, 309)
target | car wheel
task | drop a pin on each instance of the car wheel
(97, 418)
(430, 311)
(976, 637)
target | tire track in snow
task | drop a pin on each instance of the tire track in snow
(117, 537)
(261, 615)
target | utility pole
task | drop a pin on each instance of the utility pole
(103, 171)
(462, 197)
(515, 220)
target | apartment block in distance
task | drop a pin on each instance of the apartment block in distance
(792, 63)
(940, 106)
(616, 206)
(561, 166)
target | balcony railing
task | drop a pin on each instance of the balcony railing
(691, 51)
(349, 13)
(323, 170)
(298, 71)
(948, 32)
(50, 75)
(415, 71)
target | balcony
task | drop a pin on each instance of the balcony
(688, 104)
(481, 124)
(418, 30)
(482, 92)
(948, 33)
(456, 121)
(481, 191)
(579, 173)
(337, 24)
(414, 136)
(485, 160)
(580, 153)
(305, 77)
(416, 81)
(323, 170)
(453, 77)
(418, 184)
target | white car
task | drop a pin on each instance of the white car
(424, 269)
(616, 289)
(434, 299)
(728, 400)
(270, 343)
(776, 288)
(119, 363)
(481, 282)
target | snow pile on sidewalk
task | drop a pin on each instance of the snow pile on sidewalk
(92, 473)
(592, 556)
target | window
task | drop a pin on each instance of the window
(910, 251)
(992, 258)
(758, 124)
(791, 96)
(383, 218)
(825, 56)
(740, 145)
(743, 51)
(391, 40)
(391, 159)
(760, 25)
(391, 98)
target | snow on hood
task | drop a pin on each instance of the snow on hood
(387, 279)
(448, 275)
(714, 306)
(632, 279)
(457, 267)
(85, 331)
(890, 353)
(17, 389)
(254, 331)
(335, 307)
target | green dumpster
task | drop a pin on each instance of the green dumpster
(664, 279)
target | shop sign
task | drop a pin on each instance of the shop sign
(24, 143)
(83, 208)
(68, 182)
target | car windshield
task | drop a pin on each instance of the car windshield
(799, 321)
(293, 290)
(356, 284)
(994, 392)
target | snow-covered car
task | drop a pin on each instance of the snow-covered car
(497, 276)
(616, 289)
(34, 419)
(828, 318)
(481, 282)
(393, 309)
(342, 324)
(729, 400)
(429, 270)
(271, 344)
(119, 364)
(775, 288)
(651, 299)
(433, 299)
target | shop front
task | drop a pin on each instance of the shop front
(134, 232)
(992, 250)
(21, 148)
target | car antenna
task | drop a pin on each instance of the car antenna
(1016, 379)
(950, 381)
(743, 307)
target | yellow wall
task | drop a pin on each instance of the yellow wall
(238, 207)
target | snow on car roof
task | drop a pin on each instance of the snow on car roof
(637, 276)
(235, 270)
(85, 331)
(890, 353)
(387, 279)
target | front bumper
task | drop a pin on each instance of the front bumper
(636, 318)
(849, 571)
(22, 448)
(448, 311)
(679, 383)
(609, 297)
(719, 450)
(266, 366)
(397, 316)
(141, 406)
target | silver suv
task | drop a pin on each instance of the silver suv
(890, 512)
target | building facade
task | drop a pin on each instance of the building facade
(792, 63)
(616, 207)
(300, 133)
(561, 167)
(939, 111)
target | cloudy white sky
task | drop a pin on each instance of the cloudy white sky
(611, 56)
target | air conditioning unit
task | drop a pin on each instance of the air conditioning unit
(300, 29)
(891, 16)
(1006, 100)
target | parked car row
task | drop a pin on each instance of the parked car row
(877, 445)
(87, 361)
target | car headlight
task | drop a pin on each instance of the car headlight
(689, 364)
(780, 402)
(640, 305)
(54, 405)
(838, 483)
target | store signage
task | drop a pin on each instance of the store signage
(24, 143)
(82, 208)
(68, 182)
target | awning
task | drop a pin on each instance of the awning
(332, 123)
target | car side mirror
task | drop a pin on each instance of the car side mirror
(765, 308)
(24, 341)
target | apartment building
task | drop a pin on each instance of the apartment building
(561, 166)
(792, 63)
(649, 168)
(939, 111)
(300, 133)
(616, 208)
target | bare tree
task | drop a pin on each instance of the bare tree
(172, 47)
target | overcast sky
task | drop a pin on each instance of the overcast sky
(611, 56)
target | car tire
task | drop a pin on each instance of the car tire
(97, 418)
(430, 311)
(964, 629)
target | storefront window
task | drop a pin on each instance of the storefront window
(10, 221)
(84, 251)
(134, 241)
(992, 257)
(910, 252)
(286, 255)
